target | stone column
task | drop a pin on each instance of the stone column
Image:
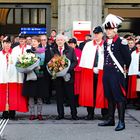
(74, 10)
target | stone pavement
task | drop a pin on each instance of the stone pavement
(67, 129)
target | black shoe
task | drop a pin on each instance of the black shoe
(66, 105)
(89, 117)
(48, 102)
(12, 114)
(107, 123)
(75, 118)
(120, 126)
(5, 115)
(59, 117)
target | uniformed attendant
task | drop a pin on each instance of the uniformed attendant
(116, 59)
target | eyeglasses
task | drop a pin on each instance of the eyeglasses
(43, 39)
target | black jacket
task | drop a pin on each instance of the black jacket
(120, 51)
(70, 54)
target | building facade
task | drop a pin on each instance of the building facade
(60, 14)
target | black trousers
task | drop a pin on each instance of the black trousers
(67, 88)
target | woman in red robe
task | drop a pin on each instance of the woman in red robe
(77, 75)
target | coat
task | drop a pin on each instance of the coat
(87, 95)
(70, 54)
(11, 82)
(40, 87)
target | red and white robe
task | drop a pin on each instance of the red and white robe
(86, 96)
(133, 72)
(11, 82)
(77, 73)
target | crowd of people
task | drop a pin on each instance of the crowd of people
(104, 73)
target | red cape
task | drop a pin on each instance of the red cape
(132, 87)
(15, 100)
(86, 97)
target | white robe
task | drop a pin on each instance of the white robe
(88, 56)
(17, 76)
(134, 65)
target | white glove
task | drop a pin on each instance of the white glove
(67, 77)
(95, 70)
(37, 68)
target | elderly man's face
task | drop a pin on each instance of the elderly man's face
(60, 41)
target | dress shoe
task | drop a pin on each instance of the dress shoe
(59, 117)
(5, 115)
(107, 123)
(39, 117)
(89, 117)
(32, 117)
(120, 126)
(12, 114)
(75, 118)
(12, 117)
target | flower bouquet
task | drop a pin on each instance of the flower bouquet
(58, 66)
(26, 63)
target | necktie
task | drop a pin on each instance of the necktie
(96, 58)
(139, 62)
(7, 56)
(60, 49)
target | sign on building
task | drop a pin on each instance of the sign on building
(32, 30)
(80, 29)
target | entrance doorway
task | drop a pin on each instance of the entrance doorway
(15, 17)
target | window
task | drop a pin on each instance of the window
(27, 16)
(34, 16)
(42, 15)
(17, 16)
(10, 17)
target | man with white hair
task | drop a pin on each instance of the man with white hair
(116, 60)
(62, 86)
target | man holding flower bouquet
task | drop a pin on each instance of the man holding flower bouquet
(65, 84)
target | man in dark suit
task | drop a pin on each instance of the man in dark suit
(65, 87)
(116, 60)
(44, 44)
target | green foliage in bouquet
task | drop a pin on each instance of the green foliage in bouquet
(25, 60)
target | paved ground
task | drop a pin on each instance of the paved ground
(51, 129)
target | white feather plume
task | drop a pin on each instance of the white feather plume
(113, 19)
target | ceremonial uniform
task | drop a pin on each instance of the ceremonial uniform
(11, 98)
(113, 78)
(116, 60)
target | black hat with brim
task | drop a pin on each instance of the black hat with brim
(22, 36)
(97, 30)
